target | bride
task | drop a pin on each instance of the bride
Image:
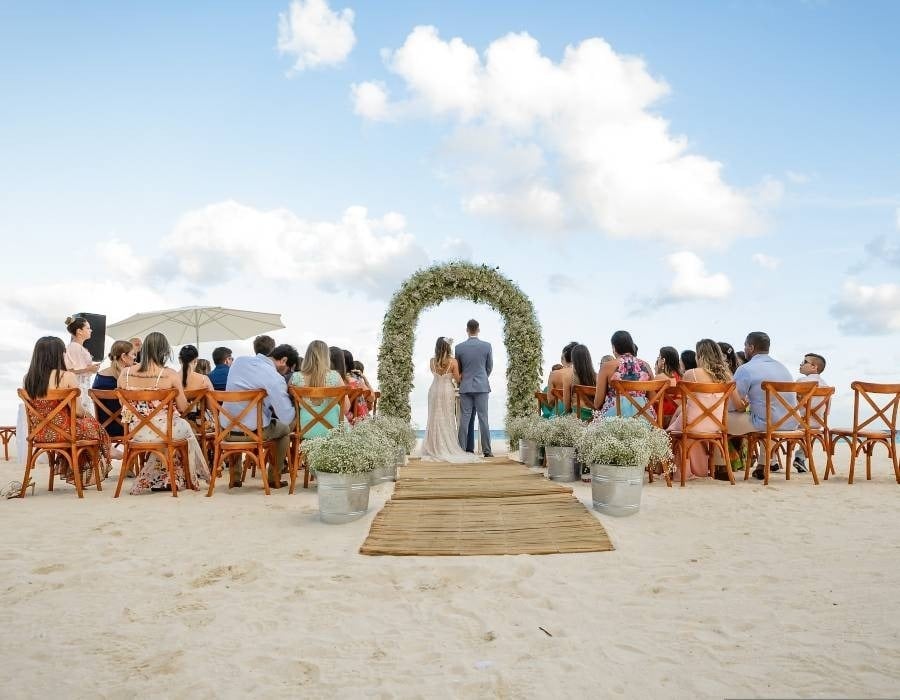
(441, 442)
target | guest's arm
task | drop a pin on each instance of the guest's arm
(279, 398)
(606, 371)
(454, 370)
(740, 396)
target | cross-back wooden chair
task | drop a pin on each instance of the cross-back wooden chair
(353, 394)
(317, 403)
(233, 437)
(7, 433)
(700, 396)
(555, 400)
(144, 437)
(55, 434)
(542, 402)
(819, 409)
(880, 428)
(108, 410)
(655, 390)
(786, 432)
(197, 417)
(583, 397)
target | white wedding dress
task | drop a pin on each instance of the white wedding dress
(441, 441)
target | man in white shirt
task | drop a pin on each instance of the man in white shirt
(810, 371)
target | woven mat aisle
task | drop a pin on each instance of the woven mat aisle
(495, 508)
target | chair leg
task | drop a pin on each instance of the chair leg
(853, 449)
(305, 474)
(186, 469)
(812, 462)
(768, 453)
(870, 447)
(723, 445)
(29, 465)
(51, 460)
(684, 457)
(76, 472)
(894, 460)
(127, 458)
(170, 466)
(264, 469)
(214, 472)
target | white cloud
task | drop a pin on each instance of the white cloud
(868, 309)
(370, 100)
(766, 261)
(598, 156)
(455, 248)
(692, 281)
(315, 35)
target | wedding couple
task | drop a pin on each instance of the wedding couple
(447, 440)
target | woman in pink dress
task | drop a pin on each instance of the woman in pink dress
(79, 360)
(712, 367)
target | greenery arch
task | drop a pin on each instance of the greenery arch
(459, 280)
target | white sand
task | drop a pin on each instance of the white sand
(713, 591)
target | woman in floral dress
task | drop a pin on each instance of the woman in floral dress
(623, 366)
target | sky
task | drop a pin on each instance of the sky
(679, 170)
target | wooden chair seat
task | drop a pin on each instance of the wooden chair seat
(879, 428)
(318, 402)
(60, 421)
(164, 445)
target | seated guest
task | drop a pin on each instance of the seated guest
(668, 366)
(136, 344)
(287, 361)
(561, 379)
(152, 373)
(583, 374)
(359, 370)
(203, 367)
(361, 407)
(222, 360)
(121, 355)
(48, 371)
(258, 372)
(711, 368)
(741, 357)
(624, 366)
(688, 360)
(760, 367)
(316, 372)
(730, 357)
(191, 379)
(810, 371)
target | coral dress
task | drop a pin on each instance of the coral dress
(154, 474)
(698, 459)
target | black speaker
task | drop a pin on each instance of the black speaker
(97, 342)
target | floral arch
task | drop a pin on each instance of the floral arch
(459, 280)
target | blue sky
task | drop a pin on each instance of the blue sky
(148, 147)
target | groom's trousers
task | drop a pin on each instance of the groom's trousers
(477, 403)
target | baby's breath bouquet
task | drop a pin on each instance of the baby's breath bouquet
(530, 427)
(563, 431)
(346, 450)
(623, 442)
(398, 431)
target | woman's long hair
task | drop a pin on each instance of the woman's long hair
(583, 366)
(441, 353)
(336, 358)
(187, 355)
(730, 358)
(155, 351)
(623, 343)
(119, 348)
(49, 354)
(671, 361)
(710, 358)
(316, 363)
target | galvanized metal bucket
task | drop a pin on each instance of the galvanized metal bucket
(616, 490)
(387, 472)
(561, 463)
(342, 497)
(530, 453)
(400, 459)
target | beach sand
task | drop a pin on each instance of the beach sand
(713, 591)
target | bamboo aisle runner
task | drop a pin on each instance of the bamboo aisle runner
(500, 507)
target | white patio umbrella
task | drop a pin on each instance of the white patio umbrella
(196, 323)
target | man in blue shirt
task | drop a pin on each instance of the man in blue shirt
(258, 372)
(748, 378)
(222, 360)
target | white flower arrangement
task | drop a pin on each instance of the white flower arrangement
(346, 450)
(563, 431)
(459, 280)
(624, 442)
(530, 427)
(397, 430)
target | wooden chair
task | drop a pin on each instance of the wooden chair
(655, 390)
(542, 401)
(584, 398)
(230, 424)
(59, 423)
(163, 443)
(106, 414)
(691, 397)
(353, 393)
(780, 434)
(555, 400)
(197, 417)
(7, 433)
(878, 429)
(317, 402)
(819, 408)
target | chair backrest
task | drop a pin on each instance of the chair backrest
(317, 402)
(107, 408)
(650, 411)
(196, 410)
(162, 403)
(882, 399)
(791, 397)
(57, 426)
(231, 420)
(691, 397)
(819, 408)
(542, 401)
(584, 396)
(555, 400)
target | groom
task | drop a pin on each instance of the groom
(476, 360)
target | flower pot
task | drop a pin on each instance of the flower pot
(560, 463)
(400, 459)
(379, 475)
(342, 497)
(530, 453)
(617, 490)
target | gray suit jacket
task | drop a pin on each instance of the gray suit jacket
(476, 360)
